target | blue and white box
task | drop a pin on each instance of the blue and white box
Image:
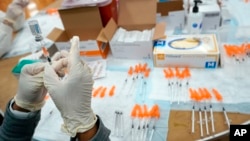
(194, 51)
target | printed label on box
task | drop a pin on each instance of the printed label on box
(211, 64)
(159, 43)
(135, 50)
(88, 45)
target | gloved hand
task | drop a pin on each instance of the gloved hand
(59, 55)
(72, 96)
(31, 90)
(60, 62)
(15, 13)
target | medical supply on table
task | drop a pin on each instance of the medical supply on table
(144, 86)
(139, 74)
(119, 124)
(136, 111)
(203, 94)
(198, 99)
(201, 122)
(221, 134)
(96, 91)
(155, 113)
(210, 13)
(102, 90)
(142, 120)
(122, 35)
(236, 56)
(193, 51)
(178, 83)
(130, 74)
(194, 24)
(192, 97)
(211, 20)
(199, 96)
(219, 98)
(208, 98)
(112, 91)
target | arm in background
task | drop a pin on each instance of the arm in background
(13, 21)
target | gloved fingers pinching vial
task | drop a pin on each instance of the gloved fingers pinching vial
(72, 96)
(31, 90)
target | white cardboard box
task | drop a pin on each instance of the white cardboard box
(194, 51)
(135, 15)
(211, 16)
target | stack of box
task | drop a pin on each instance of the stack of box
(86, 23)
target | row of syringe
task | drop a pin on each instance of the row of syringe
(142, 120)
(239, 53)
(178, 83)
(203, 95)
(139, 75)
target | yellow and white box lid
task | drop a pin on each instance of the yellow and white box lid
(195, 51)
(187, 44)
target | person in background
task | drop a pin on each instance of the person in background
(13, 21)
(72, 97)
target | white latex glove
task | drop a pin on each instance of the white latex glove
(15, 13)
(59, 55)
(5, 38)
(31, 90)
(60, 62)
(72, 96)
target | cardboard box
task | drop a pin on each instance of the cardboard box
(194, 51)
(86, 23)
(135, 15)
(172, 5)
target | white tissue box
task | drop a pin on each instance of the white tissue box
(194, 51)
